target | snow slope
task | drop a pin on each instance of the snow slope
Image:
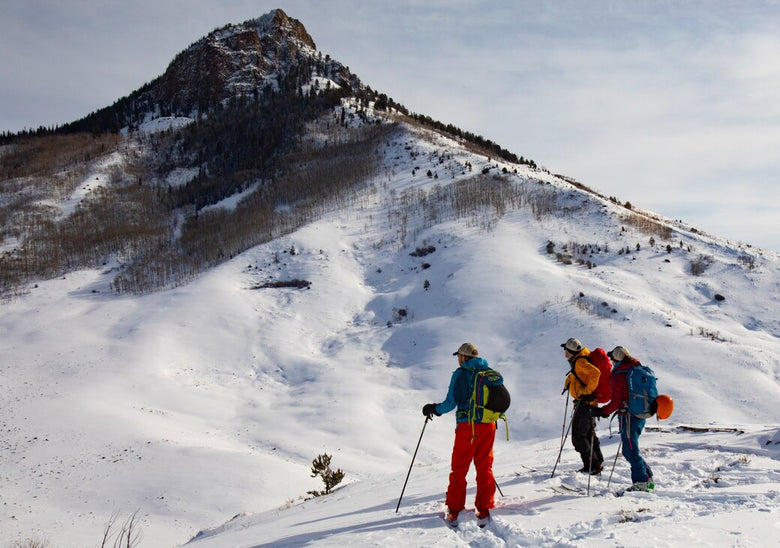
(202, 407)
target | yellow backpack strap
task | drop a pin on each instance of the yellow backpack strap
(473, 407)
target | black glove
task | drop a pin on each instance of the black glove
(429, 409)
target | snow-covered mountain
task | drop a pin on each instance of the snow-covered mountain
(202, 407)
(209, 401)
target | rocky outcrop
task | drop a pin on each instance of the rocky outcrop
(235, 60)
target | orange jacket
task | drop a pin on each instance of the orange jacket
(583, 378)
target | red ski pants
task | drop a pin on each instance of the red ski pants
(466, 450)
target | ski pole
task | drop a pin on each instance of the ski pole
(563, 442)
(499, 488)
(565, 436)
(614, 462)
(590, 454)
(411, 464)
(565, 412)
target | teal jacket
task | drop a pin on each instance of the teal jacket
(461, 387)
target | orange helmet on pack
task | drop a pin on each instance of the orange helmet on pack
(665, 406)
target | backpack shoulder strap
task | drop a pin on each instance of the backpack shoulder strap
(573, 369)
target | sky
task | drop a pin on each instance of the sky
(669, 105)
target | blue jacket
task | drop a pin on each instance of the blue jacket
(461, 387)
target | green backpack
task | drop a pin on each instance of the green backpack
(489, 398)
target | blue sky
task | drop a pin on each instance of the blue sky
(670, 105)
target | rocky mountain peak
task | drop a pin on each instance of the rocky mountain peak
(279, 26)
(242, 59)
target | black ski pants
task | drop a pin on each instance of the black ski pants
(583, 430)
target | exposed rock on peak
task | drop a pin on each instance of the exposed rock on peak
(242, 59)
(279, 25)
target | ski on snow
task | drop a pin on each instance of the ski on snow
(621, 492)
(572, 490)
(567, 489)
(531, 469)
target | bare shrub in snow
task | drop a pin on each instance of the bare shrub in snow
(592, 305)
(30, 543)
(128, 535)
(700, 264)
(647, 224)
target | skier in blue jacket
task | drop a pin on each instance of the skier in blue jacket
(473, 441)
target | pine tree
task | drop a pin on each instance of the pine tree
(321, 467)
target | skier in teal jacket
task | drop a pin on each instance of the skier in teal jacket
(473, 441)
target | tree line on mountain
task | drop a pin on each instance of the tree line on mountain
(46, 154)
(162, 235)
(236, 148)
(487, 145)
(35, 174)
(327, 178)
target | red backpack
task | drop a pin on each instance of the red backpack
(599, 358)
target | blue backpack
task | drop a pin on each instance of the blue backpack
(642, 391)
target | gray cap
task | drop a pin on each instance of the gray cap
(619, 353)
(572, 345)
(467, 349)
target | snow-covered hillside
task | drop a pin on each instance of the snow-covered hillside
(202, 407)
